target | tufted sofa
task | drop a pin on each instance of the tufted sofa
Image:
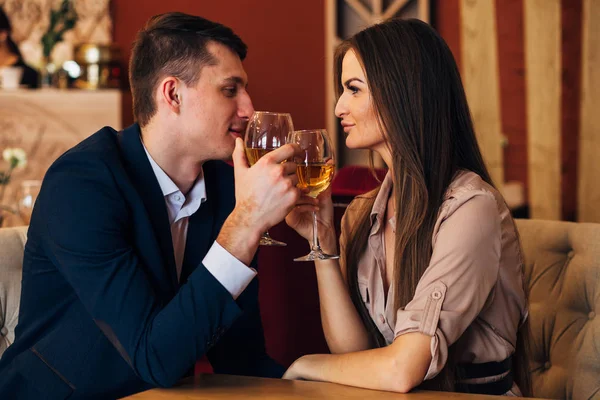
(562, 273)
(563, 276)
(12, 242)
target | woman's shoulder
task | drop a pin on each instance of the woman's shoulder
(360, 200)
(358, 204)
(465, 186)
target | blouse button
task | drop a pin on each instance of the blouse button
(591, 315)
(381, 318)
(547, 365)
(436, 295)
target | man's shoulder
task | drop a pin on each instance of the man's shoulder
(99, 148)
(100, 142)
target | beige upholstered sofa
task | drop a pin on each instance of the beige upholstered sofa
(563, 276)
(12, 242)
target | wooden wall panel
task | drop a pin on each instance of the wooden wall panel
(543, 77)
(446, 20)
(589, 160)
(481, 79)
(511, 58)
(571, 21)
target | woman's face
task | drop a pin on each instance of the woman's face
(355, 108)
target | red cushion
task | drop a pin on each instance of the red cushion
(203, 366)
(354, 180)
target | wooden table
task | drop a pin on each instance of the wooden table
(208, 386)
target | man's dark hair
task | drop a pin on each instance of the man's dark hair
(173, 44)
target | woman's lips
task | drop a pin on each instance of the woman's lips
(347, 127)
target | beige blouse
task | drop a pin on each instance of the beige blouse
(471, 293)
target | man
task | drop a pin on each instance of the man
(140, 259)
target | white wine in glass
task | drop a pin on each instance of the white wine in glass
(254, 154)
(315, 176)
(265, 132)
(315, 171)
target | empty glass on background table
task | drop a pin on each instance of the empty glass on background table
(265, 132)
(26, 196)
(315, 171)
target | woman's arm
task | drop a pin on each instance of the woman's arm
(398, 367)
(343, 328)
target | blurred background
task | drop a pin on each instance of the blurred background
(529, 67)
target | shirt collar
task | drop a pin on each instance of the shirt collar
(196, 194)
(380, 204)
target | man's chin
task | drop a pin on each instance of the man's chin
(228, 153)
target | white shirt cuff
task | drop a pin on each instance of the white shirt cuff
(233, 274)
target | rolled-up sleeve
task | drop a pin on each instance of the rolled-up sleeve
(460, 278)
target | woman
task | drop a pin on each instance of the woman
(429, 283)
(10, 56)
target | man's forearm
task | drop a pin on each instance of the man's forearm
(238, 237)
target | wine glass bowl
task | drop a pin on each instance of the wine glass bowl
(265, 132)
(315, 169)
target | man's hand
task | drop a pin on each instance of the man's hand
(265, 193)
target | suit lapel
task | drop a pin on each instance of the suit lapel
(144, 180)
(201, 233)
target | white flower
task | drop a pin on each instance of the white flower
(7, 154)
(16, 157)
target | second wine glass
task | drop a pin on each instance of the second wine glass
(315, 171)
(265, 132)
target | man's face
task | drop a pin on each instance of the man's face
(216, 109)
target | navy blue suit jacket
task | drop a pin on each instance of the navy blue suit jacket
(102, 314)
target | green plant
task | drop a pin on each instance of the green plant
(61, 21)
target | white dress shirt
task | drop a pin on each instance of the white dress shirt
(234, 275)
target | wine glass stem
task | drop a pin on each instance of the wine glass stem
(315, 245)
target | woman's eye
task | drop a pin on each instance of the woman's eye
(352, 89)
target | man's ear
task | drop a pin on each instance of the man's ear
(170, 93)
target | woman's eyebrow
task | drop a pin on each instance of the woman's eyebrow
(350, 80)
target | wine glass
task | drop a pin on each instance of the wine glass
(26, 196)
(315, 171)
(265, 132)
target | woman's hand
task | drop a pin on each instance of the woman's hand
(301, 220)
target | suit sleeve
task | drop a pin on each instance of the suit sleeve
(88, 238)
(242, 350)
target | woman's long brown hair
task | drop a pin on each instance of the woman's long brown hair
(422, 111)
